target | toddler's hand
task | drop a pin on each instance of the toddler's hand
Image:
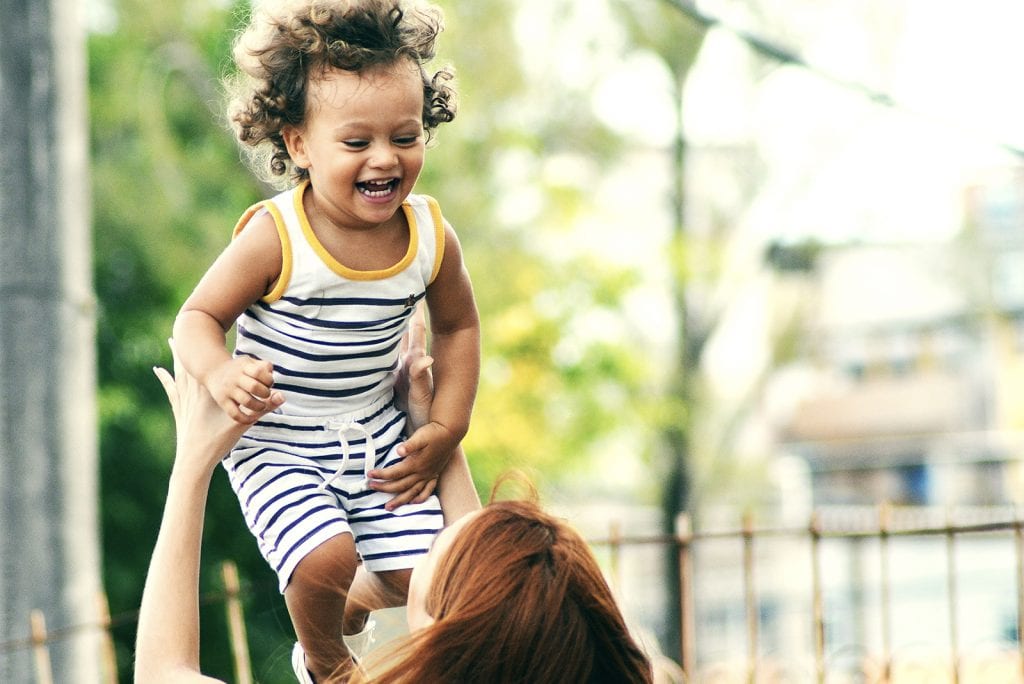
(413, 480)
(204, 432)
(241, 387)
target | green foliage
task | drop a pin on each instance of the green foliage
(168, 186)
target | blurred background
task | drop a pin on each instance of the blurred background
(760, 264)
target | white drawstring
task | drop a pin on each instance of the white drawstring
(341, 427)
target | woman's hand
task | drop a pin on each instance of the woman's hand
(205, 433)
(414, 386)
(167, 638)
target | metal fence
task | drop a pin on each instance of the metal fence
(39, 637)
(883, 526)
(884, 664)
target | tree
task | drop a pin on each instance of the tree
(48, 509)
(675, 39)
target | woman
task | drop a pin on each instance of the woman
(506, 594)
(512, 594)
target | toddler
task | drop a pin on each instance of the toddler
(322, 281)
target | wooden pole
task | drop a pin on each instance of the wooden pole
(951, 588)
(615, 554)
(108, 655)
(40, 649)
(687, 617)
(750, 597)
(817, 599)
(1018, 535)
(236, 624)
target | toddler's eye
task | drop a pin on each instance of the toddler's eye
(407, 140)
(355, 144)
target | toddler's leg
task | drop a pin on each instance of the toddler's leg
(373, 591)
(316, 598)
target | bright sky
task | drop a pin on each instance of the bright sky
(830, 163)
(836, 165)
(839, 167)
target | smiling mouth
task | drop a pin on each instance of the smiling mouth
(377, 188)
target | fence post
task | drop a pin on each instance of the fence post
(1018, 533)
(750, 596)
(108, 656)
(236, 624)
(817, 598)
(687, 618)
(615, 553)
(885, 600)
(40, 650)
(951, 583)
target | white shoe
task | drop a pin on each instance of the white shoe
(299, 665)
(360, 643)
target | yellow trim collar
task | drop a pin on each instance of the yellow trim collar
(340, 268)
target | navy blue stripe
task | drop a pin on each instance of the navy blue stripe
(283, 426)
(278, 476)
(320, 358)
(264, 422)
(250, 315)
(352, 517)
(336, 375)
(242, 461)
(395, 535)
(368, 301)
(378, 324)
(394, 554)
(332, 444)
(292, 525)
(328, 393)
(277, 497)
(297, 544)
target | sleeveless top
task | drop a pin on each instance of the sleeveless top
(334, 333)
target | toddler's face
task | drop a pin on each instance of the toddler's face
(362, 142)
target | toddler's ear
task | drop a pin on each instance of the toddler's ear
(295, 143)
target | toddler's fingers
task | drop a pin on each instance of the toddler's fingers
(413, 444)
(398, 500)
(386, 477)
(257, 407)
(259, 370)
(410, 495)
(428, 489)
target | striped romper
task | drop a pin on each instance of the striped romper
(333, 335)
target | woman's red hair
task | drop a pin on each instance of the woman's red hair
(519, 597)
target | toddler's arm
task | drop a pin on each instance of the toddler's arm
(243, 272)
(414, 479)
(455, 347)
(455, 333)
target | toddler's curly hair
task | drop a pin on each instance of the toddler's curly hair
(288, 42)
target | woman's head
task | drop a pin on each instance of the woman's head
(289, 43)
(513, 594)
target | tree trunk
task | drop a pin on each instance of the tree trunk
(49, 540)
